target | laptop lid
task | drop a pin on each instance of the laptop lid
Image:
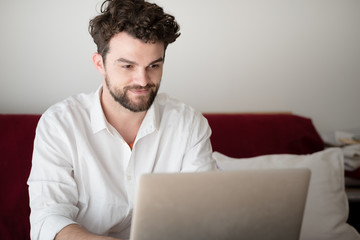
(246, 204)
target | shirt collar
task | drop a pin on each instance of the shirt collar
(151, 121)
(98, 119)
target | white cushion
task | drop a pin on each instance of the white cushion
(327, 208)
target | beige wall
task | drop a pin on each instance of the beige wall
(233, 56)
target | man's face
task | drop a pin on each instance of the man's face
(133, 71)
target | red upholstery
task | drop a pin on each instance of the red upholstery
(353, 174)
(16, 144)
(249, 135)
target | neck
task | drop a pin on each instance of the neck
(126, 122)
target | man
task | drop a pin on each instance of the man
(90, 149)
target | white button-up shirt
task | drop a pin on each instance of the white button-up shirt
(84, 172)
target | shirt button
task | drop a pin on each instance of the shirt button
(129, 178)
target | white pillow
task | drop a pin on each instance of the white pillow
(327, 207)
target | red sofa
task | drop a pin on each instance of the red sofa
(236, 135)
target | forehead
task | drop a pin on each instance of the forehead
(126, 46)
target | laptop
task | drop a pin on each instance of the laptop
(246, 204)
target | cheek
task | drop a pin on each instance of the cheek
(119, 76)
(156, 76)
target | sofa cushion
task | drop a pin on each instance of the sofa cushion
(326, 208)
(16, 144)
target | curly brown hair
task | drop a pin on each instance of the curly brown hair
(142, 20)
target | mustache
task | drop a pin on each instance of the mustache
(138, 87)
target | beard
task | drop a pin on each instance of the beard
(143, 102)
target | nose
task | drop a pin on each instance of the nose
(142, 77)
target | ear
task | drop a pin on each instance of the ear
(99, 63)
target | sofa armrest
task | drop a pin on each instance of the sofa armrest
(16, 146)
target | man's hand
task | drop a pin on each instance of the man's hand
(76, 232)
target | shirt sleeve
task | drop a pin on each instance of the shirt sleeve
(198, 156)
(52, 188)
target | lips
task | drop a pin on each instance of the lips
(139, 89)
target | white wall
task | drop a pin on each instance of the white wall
(233, 56)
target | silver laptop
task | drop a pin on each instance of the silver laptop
(247, 204)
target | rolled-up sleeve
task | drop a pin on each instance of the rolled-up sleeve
(52, 188)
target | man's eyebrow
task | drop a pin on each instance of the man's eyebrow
(123, 60)
(126, 61)
(157, 60)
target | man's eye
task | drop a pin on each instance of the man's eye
(154, 66)
(128, 66)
